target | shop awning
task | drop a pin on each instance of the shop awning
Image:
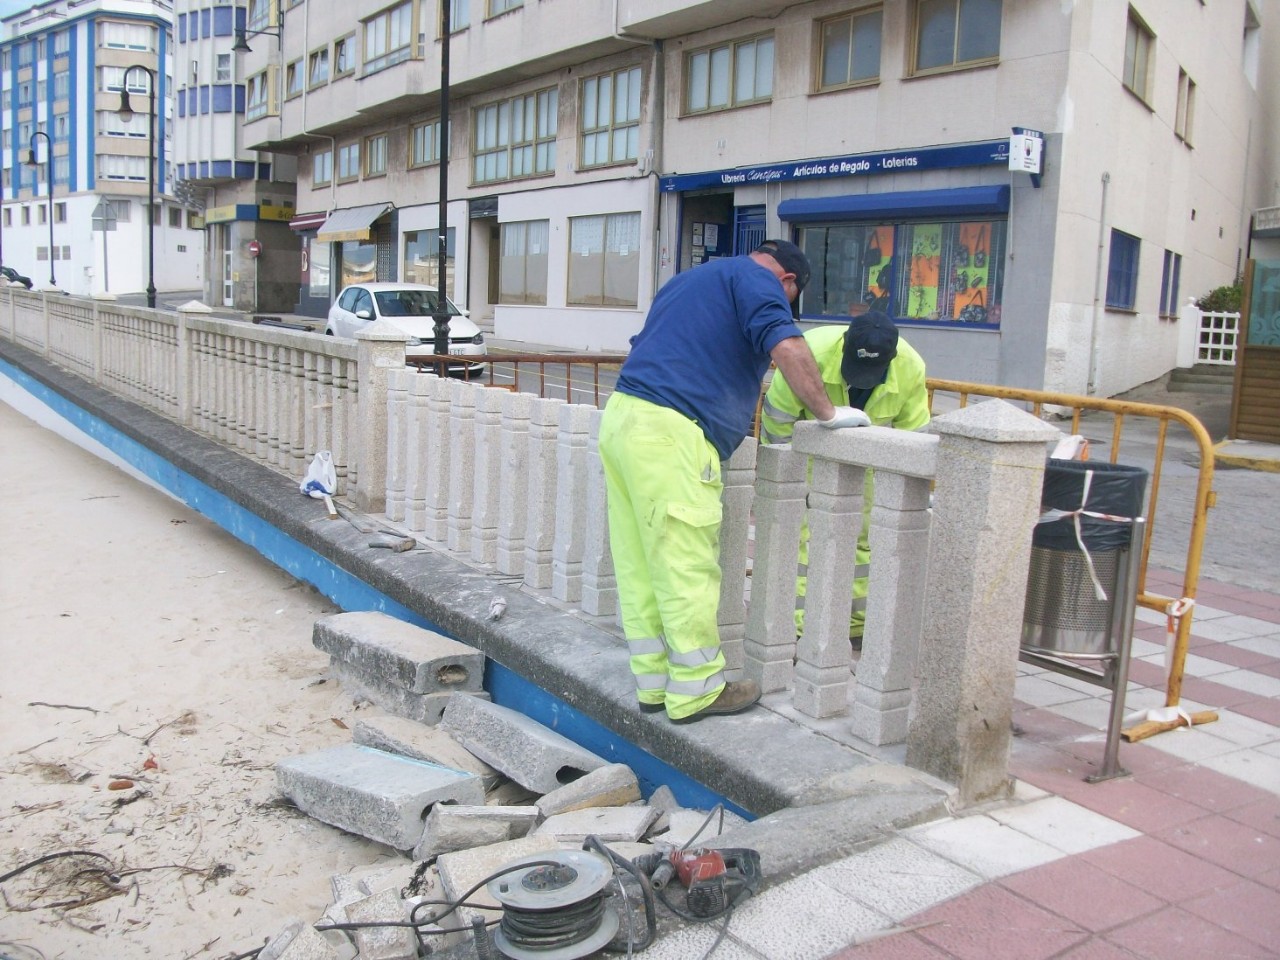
(308, 221)
(353, 223)
(957, 202)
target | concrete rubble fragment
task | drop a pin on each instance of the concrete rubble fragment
(383, 942)
(371, 793)
(607, 823)
(452, 827)
(529, 753)
(610, 786)
(421, 742)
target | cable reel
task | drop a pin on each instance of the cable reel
(554, 912)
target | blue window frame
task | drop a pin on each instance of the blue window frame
(1122, 271)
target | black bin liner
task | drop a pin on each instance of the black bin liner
(1116, 489)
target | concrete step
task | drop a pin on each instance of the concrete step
(1205, 378)
(1219, 388)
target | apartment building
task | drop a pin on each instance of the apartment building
(63, 68)
(251, 255)
(1032, 189)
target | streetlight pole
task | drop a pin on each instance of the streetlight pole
(442, 251)
(31, 162)
(125, 113)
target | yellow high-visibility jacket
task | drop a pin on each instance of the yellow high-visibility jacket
(901, 401)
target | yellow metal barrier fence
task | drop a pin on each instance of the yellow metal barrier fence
(1177, 609)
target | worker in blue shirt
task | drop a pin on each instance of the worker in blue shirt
(684, 401)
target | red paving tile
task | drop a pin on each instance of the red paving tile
(1175, 934)
(1263, 815)
(1247, 909)
(1265, 710)
(1205, 788)
(1147, 674)
(1271, 668)
(1238, 656)
(1086, 895)
(1236, 846)
(989, 921)
(1159, 869)
(1096, 949)
(1137, 805)
(1214, 694)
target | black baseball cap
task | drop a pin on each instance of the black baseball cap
(870, 344)
(792, 260)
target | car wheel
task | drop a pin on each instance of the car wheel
(328, 331)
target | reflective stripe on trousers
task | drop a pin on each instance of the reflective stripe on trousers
(662, 477)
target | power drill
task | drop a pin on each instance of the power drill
(715, 880)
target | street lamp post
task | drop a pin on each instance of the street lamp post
(125, 113)
(31, 162)
(442, 251)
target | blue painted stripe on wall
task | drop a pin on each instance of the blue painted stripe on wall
(350, 593)
(91, 119)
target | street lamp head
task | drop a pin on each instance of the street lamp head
(31, 157)
(241, 45)
(125, 113)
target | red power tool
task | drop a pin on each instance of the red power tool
(715, 879)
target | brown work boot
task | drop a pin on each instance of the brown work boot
(736, 696)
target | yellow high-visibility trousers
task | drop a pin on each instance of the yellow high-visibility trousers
(662, 478)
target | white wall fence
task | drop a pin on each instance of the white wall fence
(513, 483)
(1207, 337)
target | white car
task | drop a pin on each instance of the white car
(408, 307)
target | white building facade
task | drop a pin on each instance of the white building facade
(63, 65)
(597, 149)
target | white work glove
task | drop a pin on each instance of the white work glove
(846, 417)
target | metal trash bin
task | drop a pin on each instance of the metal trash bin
(1063, 616)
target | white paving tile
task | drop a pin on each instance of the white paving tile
(1267, 645)
(1192, 744)
(1250, 625)
(1042, 692)
(1072, 683)
(1219, 630)
(1270, 749)
(1142, 649)
(1240, 730)
(695, 941)
(1195, 666)
(1259, 683)
(1210, 613)
(984, 846)
(897, 879)
(802, 919)
(1064, 825)
(1025, 791)
(1251, 766)
(1092, 712)
(1143, 615)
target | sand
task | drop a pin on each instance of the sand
(141, 644)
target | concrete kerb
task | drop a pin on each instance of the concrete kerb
(760, 761)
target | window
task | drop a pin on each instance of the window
(62, 42)
(293, 79)
(1169, 281)
(26, 216)
(59, 213)
(515, 138)
(850, 50)
(259, 16)
(425, 146)
(375, 155)
(953, 33)
(175, 216)
(61, 126)
(126, 36)
(1122, 271)
(604, 260)
(318, 68)
(112, 167)
(502, 6)
(322, 168)
(945, 271)
(730, 75)
(1138, 41)
(222, 72)
(610, 113)
(1186, 107)
(318, 259)
(123, 210)
(62, 85)
(422, 257)
(110, 124)
(256, 98)
(349, 161)
(344, 55)
(388, 38)
(459, 15)
(522, 266)
(41, 217)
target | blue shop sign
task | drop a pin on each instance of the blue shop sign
(982, 153)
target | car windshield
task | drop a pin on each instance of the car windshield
(411, 303)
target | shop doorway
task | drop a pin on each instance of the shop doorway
(1256, 398)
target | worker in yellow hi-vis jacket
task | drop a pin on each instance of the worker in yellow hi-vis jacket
(865, 365)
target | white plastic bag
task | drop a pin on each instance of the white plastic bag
(321, 480)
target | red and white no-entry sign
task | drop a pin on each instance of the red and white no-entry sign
(255, 248)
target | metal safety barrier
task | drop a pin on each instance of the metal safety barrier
(1178, 609)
